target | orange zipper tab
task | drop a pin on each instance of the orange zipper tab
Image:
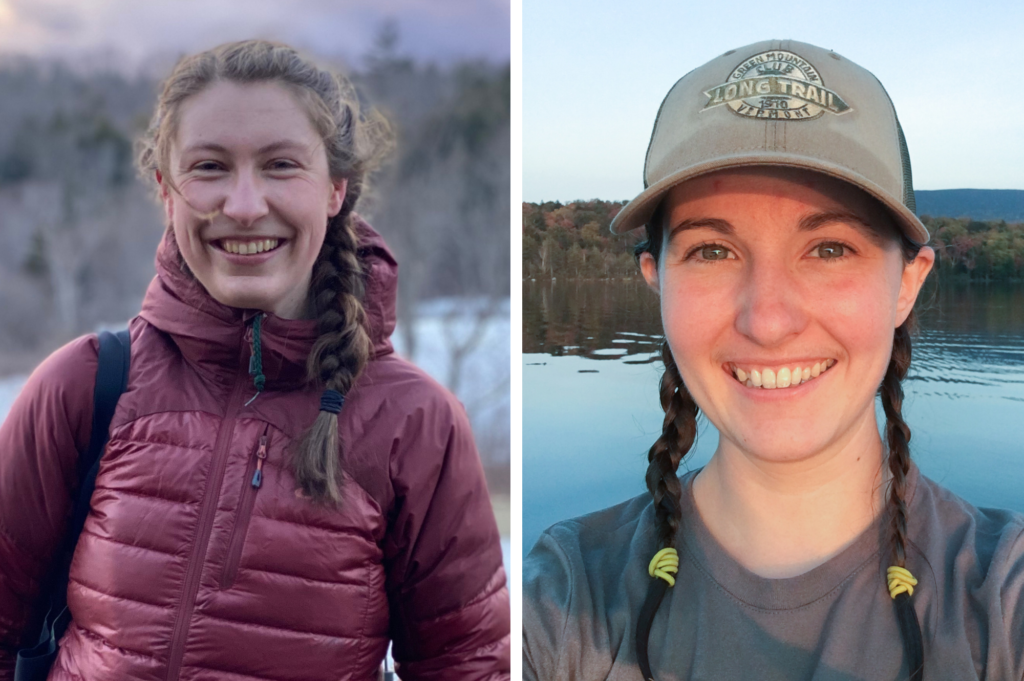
(261, 455)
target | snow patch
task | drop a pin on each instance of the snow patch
(9, 389)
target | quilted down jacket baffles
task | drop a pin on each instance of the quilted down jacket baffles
(187, 570)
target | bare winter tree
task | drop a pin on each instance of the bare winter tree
(74, 220)
(447, 206)
(81, 176)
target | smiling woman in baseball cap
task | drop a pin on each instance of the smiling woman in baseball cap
(782, 240)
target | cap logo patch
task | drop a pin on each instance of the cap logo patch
(776, 85)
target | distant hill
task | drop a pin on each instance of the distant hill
(977, 204)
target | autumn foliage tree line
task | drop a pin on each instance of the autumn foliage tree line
(572, 241)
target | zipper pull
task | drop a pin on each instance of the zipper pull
(261, 455)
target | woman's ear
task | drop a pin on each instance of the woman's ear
(914, 275)
(337, 198)
(165, 197)
(649, 268)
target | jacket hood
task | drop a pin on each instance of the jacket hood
(212, 336)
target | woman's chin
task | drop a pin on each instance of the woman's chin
(245, 295)
(778, 445)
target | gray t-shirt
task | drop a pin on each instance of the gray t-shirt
(585, 581)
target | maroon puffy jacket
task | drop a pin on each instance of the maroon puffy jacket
(186, 571)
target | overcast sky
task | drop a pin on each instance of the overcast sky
(595, 73)
(435, 30)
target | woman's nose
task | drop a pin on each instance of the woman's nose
(771, 305)
(245, 202)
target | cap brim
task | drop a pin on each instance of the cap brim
(637, 212)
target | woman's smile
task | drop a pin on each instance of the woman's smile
(247, 246)
(246, 253)
(785, 375)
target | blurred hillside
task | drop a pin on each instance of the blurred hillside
(79, 229)
(978, 204)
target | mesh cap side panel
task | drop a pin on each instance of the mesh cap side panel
(908, 178)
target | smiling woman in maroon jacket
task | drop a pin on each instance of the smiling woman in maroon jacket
(281, 495)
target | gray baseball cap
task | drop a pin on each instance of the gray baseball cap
(779, 103)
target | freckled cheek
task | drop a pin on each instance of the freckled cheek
(694, 316)
(203, 196)
(188, 234)
(860, 317)
(183, 224)
(303, 206)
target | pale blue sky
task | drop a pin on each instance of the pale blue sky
(133, 31)
(594, 74)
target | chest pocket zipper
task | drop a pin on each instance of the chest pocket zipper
(251, 483)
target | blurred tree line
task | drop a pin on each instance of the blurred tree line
(572, 241)
(444, 203)
(977, 251)
(79, 229)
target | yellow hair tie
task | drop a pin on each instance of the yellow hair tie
(665, 564)
(900, 581)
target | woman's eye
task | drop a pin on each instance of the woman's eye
(714, 252)
(206, 166)
(283, 164)
(830, 250)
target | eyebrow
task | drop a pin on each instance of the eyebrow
(265, 149)
(808, 223)
(818, 220)
(714, 224)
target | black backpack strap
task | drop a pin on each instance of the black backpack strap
(111, 380)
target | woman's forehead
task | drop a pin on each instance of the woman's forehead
(737, 194)
(225, 112)
(739, 191)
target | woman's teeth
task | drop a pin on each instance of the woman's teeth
(783, 378)
(248, 247)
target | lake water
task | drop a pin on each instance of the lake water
(590, 397)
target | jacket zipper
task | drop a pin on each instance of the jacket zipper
(197, 558)
(246, 501)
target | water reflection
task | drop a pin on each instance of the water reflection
(596, 319)
(587, 424)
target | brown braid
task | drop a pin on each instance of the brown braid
(678, 431)
(338, 356)
(679, 428)
(897, 436)
(897, 432)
